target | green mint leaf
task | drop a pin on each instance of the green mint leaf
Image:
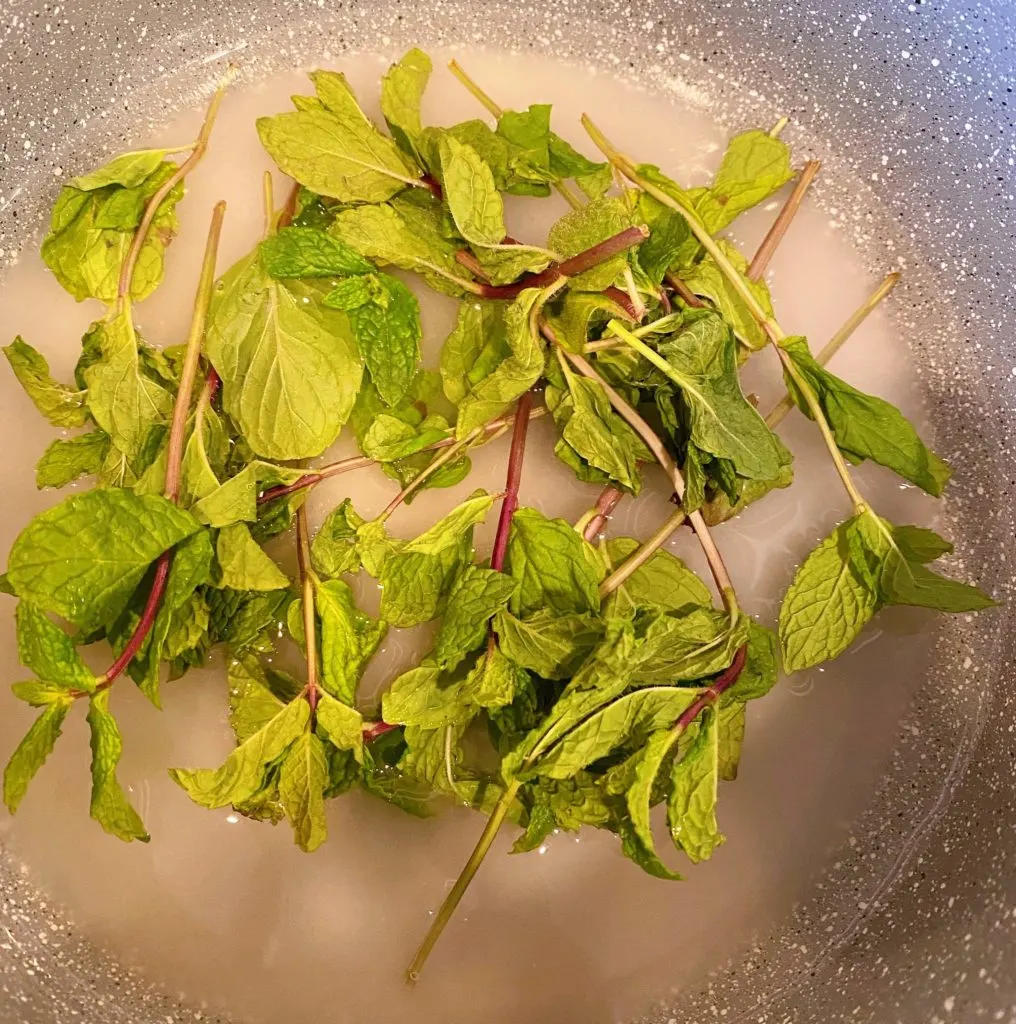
(341, 725)
(829, 601)
(508, 263)
(670, 242)
(581, 229)
(580, 315)
(428, 698)
(204, 459)
(69, 458)
(761, 666)
(471, 194)
(110, 806)
(475, 596)
(513, 376)
(555, 567)
(591, 428)
(128, 170)
(235, 500)
(310, 252)
(703, 361)
(48, 651)
(388, 333)
(390, 438)
(529, 131)
(63, 406)
(664, 581)
(598, 183)
(918, 544)
(252, 705)
(417, 577)
(83, 558)
(475, 347)
(349, 639)
(122, 399)
(407, 235)
(243, 564)
(333, 550)
(289, 367)
(550, 645)
(710, 282)
(568, 162)
(247, 620)
(645, 857)
(402, 91)
(336, 152)
(639, 797)
(911, 583)
(691, 806)
(242, 774)
(39, 695)
(32, 751)
(91, 232)
(689, 644)
(867, 427)
(303, 776)
(352, 293)
(730, 728)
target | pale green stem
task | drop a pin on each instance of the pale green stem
(777, 129)
(641, 555)
(429, 470)
(307, 592)
(740, 285)
(838, 340)
(452, 900)
(633, 293)
(268, 203)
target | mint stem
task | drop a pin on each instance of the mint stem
(516, 455)
(307, 593)
(642, 554)
(775, 234)
(610, 497)
(724, 681)
(152, 207)
(174, 449)
(591, 257)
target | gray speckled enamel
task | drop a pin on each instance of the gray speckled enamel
(916, 922)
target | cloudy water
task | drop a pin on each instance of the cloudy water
(228, 912)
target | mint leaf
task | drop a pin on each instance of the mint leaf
(550, 645)
(568, 162)
(754, 166)
(32, 751)
(688, 645)
(387, 331)
(333, 550)
(235, 500)
(39, 695)
(867, 427)
(475, 596)
(582, 229)
(555, 567)
(670, 242)
(247, 620)
(475, 346)
(639, 797)
(303, 776)
(664, 581)
(416, 577)
(907, 582)
(580, 315)
(341, 725)
(243, 564)
(691, 806)
(336, 152)
(289, 367)
(515, 374)
(310, 252)
(389, 438)
(761, 666)
(349, 638)
(428, 698)
(110, 806)
(730, 727)
(63, 406)
(128, 170)
(471, 195)
(919, 544)
(402, 91)
(829, 601)
(252, 705)
(242, 774)
(83, 558)
(69, 458)
(122, 399)
(48, 651)
(703, 361)
(92, 230)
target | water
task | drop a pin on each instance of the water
(230, 913)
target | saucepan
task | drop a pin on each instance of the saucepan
(911, 918)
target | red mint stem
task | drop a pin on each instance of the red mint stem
(596, 254)
(214, 380)
(724, 681)
(623, 299)
(511, 497)
(665, 302)
(605, 505)
(281, 490)
(430, 182)
(147, 620)
(374, 730)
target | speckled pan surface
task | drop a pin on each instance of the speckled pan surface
(916, 922)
